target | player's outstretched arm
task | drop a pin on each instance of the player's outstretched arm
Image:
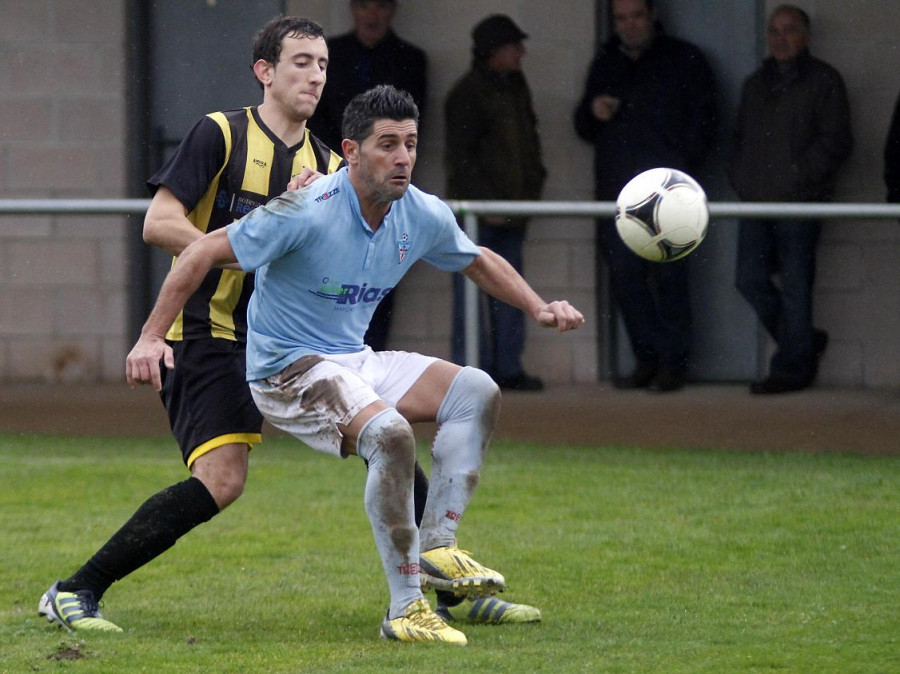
(142, 363)
(495, 276)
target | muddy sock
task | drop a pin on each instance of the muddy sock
(386, 442)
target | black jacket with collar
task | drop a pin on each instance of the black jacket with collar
(792, 132)
(667, 117)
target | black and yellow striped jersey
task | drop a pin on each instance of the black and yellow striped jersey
(228, 164)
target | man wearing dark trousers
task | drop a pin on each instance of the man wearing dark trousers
(649, 101)
(791, 135)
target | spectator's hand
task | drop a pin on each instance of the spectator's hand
(303, 179)
(560, 315)
(604, 107)
(142, 364)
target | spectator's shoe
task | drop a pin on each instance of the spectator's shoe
(420, 623)
(776, 384)
(667, 380)
(489, 611)
(641, 377)
(820, 342)
(453, 570)
(781, 384)
(520, 382)
(75, 611)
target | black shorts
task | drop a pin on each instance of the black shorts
(207, 397)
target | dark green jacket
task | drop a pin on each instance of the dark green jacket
(493, 149)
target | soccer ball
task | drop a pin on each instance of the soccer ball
(662, 214)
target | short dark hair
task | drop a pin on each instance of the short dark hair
(799, 11)
(267, 42)
(381, 102)
(647, 3)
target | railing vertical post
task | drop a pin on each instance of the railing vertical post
(470, 300)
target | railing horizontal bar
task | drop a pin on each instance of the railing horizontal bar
(718, 209)
(73, 206)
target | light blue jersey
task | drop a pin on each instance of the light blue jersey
(320, 271)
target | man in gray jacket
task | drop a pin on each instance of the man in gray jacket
(792, 133)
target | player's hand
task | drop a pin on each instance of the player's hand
(142, 364)
(303, 179)
(560, 315)
(604, 107)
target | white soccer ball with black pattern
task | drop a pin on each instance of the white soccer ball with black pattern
(662, 214)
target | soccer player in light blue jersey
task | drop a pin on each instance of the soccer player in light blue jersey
(324, 256)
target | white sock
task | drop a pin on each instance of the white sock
(468, 415)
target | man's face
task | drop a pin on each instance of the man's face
(372, 19)
(507, 57)
(787, 36)
(633, 23)
(296, 81)
(384, 161)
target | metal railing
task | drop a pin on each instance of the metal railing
(470, 210)
(717, 209)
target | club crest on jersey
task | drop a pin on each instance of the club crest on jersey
(403, 246)
(327, 195)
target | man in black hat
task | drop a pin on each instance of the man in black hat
(493, 152)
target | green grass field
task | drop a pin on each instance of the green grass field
(642, 561)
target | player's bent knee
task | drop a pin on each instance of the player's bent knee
(387, 434)
(473, 394)
(223, 472)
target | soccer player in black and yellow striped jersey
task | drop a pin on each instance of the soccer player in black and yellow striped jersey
(229, 163)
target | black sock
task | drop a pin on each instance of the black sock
(154, 528)
(420, 493)
(447, 598)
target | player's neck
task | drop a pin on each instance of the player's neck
(374, 212)
(372, 209)
(289, 131)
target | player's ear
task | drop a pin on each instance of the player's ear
(350, 149)
(264, 71)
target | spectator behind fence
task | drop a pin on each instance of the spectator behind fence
(493, 152)
(369, 55)
(791, 135)
(649, 101)
(892, 157)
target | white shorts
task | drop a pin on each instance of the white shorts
(312, 396)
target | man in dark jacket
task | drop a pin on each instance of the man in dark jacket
(791, 135)
(892, 157)
(649, 101)
(493, 152)
(371, 54)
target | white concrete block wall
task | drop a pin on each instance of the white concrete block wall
(63, 281)
(63, 304)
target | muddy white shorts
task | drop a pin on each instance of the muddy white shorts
(313, 395)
